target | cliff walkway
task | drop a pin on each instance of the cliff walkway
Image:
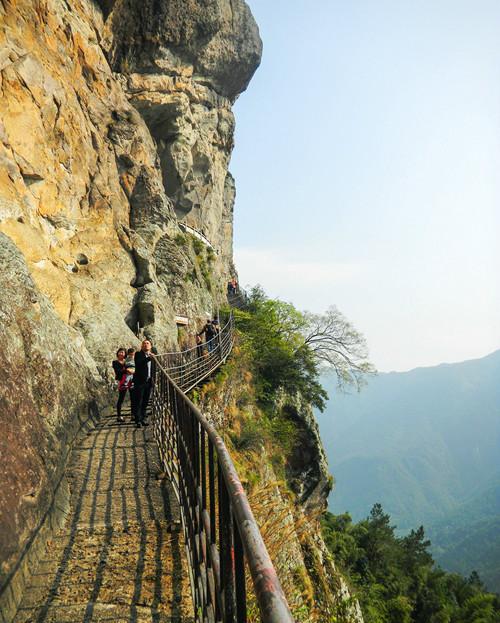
(159, 528)
(121, 555)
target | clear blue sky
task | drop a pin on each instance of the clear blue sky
(367, 165)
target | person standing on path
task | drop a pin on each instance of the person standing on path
(143, 382)
(199, 346)
(119, 369)
(127, 380)
(210, 332)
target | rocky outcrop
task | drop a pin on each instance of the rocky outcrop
(115, 123)
(91, 189)
(306, 465)
(183, 65)
(80, 172)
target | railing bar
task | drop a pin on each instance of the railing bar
(226, 552)
(239, 574)
(220, 546)
(203, 442)
(211, 487)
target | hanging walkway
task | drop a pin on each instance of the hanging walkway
(121, 556)
(159, 527)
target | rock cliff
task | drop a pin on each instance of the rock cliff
(116, 216)
(306, 464)
(116, 132)
(117, 124)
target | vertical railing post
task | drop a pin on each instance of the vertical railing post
(226, 552)
(239, 574)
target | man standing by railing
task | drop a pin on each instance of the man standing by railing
(143, 378)
(210, 332)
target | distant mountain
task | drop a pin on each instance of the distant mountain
(424, 443)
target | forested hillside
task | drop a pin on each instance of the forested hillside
(395, 578)
(469, 538)
(425, 444)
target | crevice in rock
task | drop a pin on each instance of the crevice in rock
(82, 259)
(31, 178)
(132, 318)
(142, 313)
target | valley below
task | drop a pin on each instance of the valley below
(426, 445)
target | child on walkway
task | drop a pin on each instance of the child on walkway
(127, 380)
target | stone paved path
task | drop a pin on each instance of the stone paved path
(121, 555)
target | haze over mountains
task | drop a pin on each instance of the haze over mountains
(426, 445)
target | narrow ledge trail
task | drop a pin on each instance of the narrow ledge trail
(120, 556)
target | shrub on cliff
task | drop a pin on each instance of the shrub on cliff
(289, 347)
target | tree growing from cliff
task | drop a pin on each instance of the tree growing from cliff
(291, 347)
(337, 345)
(272, 330)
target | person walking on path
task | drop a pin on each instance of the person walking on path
(143, 382)
(200, 350)
(216, 330)
(210, 332)
(119, 369)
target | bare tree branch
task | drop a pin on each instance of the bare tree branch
(338, 346)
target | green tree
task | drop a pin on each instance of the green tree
(479, 609)
(272, 329)
(395, 578)
(292, 347)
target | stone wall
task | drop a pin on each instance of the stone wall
(50, 391)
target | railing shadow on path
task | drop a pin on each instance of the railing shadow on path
(120, 557)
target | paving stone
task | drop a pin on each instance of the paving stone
(103, 613)
(120, 555)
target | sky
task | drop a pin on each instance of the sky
(367, 165)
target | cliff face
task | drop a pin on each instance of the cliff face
(185, 63)
(47, 376)
(115, 123)
(102, 157)
(306, 463)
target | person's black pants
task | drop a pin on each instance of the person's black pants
(140, 398)
(121, 397)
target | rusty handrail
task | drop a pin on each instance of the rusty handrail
(221, 533)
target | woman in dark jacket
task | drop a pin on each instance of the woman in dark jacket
(119, 368)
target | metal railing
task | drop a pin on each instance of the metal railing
(197, 234)
(187, 368)
(222, 536)
(238, 299)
